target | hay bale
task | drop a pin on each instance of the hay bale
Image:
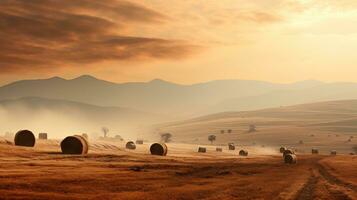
(282, 149)
(202, 150)
(42, 136)
(25, 138)
(290, 159)
(229, 131)
(301, 142)
(159, 149)
(218, 149)
(139, 141)
(288, 151)
(130, 145)
(314, 151)
(243, 152)
(75, 144)
(333, 152)
(231, 146)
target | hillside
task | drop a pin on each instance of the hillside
(61, 117)
(323, 124)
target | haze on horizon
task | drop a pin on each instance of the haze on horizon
(179, 41)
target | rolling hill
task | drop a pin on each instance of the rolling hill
(61, 117)
(325, 125)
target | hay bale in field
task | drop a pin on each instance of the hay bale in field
(229, 131)
(42, 136)
(290, 159)
(222, 131)
(288, 151)
(314, 151)
(231, 146)
(218, 149)
(159, 149)
(139, 141)
(130, 145)
(301, 142)
(243, 152)
(282, 149)
(24, 138)
(202, 150)
(333, 152)
(75, 144)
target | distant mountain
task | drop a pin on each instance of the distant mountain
(180, 101)
(61, 117)
(316, 93)
(154, 96)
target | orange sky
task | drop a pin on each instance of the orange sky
(184, 41)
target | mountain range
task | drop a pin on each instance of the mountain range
(163, 97)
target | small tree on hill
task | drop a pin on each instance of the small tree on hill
(211, 138)
(105, 131)
(166, 137)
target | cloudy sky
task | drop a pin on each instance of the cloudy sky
(183, 41)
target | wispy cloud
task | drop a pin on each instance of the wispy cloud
(41, 34)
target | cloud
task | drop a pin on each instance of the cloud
(43, 34)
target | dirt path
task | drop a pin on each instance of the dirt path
(323, 185)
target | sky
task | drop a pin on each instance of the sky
(183, 41)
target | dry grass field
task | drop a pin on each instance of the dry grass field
(111, 172)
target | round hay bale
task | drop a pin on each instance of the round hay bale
(229, 131)
(42, 136)
(288, 151)
(75, 144)
(243, 152)
(130, 145)
(139, 142)
(314, 151)
(218, 149)
(333, 152)
(231, 146)
(159, 149)
(290, 159)
(202, 150)
(25, 138)
(282, 149)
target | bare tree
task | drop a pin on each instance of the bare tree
(166, 137)
(105, 131)
(211, 138)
